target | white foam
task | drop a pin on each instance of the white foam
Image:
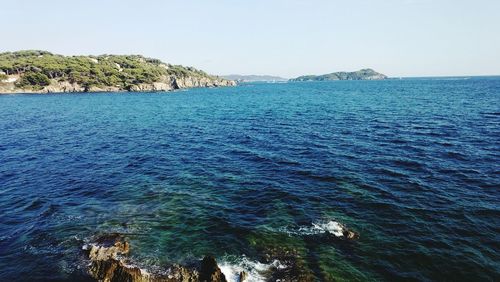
(321, 227)
(331, 227)
(256, 271)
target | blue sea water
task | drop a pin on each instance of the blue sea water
(413, 166)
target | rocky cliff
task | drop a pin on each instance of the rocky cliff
(44, 72)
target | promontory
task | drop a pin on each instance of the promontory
(44, 72)
(364, 74)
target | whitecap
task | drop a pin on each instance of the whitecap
(332, 227)
(255, 270)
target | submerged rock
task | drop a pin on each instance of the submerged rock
(350, 235)
(291, 266)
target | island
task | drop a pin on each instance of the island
(36, 71)
(364, 74)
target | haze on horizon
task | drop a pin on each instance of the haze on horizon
(272, 37)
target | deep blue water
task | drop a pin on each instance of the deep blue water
(412, 165)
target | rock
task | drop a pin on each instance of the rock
(210, 271)
(181, 273)
(350, 235)
(63, 86)
(105, 261)
(108, 263)
(108, 247)
(102, 89)
(243, 276)
(192, 82)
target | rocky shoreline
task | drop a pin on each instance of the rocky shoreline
(37, 71)
(108, 261)
(166, 83)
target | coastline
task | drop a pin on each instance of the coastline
(107, 259)
(35, 71)
(102, 91)
(167, 85)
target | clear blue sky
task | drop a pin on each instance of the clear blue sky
(278, 37)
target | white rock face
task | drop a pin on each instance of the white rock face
(190, 82)
(8, 85)
(11, 79)
(64, 86)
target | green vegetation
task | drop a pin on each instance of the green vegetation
(364, 74)
(34, 79)
(39, 68)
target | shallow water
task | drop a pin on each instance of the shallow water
(412, 165)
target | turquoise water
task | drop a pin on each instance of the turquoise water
(411, 165)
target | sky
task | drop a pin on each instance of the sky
(274, 37)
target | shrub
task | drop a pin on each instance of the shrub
(34, 79)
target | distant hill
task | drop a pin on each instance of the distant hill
(43, 72)
(364, 74)
(253, 78)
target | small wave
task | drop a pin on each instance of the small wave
(491, 113)
(331, 227)
(256, 271)
(456, 155)
(409, 164)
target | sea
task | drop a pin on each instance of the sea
(410, 165)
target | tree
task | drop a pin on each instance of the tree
(34, 79)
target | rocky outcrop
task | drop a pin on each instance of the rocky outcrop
(165, 84)
(109, 263)
(173, 83)
(106, 263)
(190, 82)
(210, 271)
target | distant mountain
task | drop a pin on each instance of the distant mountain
(364, 74)
(253, 78)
